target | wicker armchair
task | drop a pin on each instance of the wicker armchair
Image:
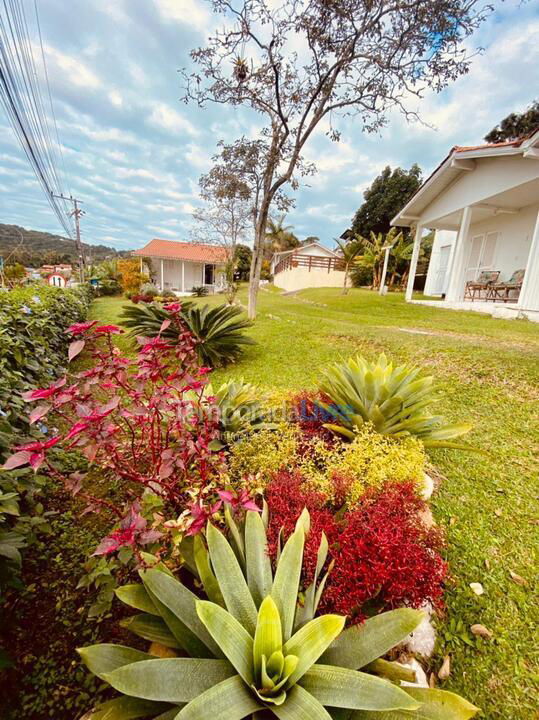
(501, 291)
(474, 288)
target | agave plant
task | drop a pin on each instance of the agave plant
(218, 330)
(240, 410)
(251, 651)
(393, 399)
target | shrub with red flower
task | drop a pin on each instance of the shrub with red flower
(384, 556)
(144, 421)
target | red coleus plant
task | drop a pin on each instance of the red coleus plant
(144, 421)
(384, 556)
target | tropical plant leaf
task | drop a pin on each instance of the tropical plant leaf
(238, 599)
(286, 581)
(151, 628)
(269, 635)
(436, 705)
(359, 645)
(235, 536)
(175, 680)
(300, 705)
(136, 596)
(106, 657)
(311, 640)
(206, 574)
(177, 604)
(127, 708)
(229, 700)
(230, 636)
(343, 688)
(391, 670)
(258, 563)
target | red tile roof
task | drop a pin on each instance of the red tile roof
(194, 252)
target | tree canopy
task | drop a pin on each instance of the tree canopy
(388, 194)
(516, 125)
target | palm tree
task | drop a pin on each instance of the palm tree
(280, 237)
(401, 252)
(373, 253)
(350, 251)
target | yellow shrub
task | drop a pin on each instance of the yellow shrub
(372, 459)
(368, 461)
(263, 453)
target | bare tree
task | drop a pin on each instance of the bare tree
(301, 62)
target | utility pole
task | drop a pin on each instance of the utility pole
(77, 213)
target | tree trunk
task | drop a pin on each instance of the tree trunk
(258, 257)
(345, 285)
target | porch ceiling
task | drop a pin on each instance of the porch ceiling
(512, 200)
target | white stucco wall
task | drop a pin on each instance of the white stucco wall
(513, 242)
(300, 278)
(490, 177)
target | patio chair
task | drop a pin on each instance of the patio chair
(474, 288)
(501, 291)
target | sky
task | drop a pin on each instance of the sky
(133, 152)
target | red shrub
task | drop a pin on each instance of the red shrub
(286, 500)
(386, 556)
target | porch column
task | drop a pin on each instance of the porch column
(384, 271)
(455, 285)
(183, 275)
(141, 265)
(413, 262)
(162, 276)
(529, 295)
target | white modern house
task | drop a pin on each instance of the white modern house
(181, 266)
(307, 266)
(483, 203)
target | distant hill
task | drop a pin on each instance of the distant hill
(37, 248)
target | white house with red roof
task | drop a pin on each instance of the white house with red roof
(181, 266)
(483, 203)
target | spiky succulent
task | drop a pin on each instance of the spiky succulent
(240, 408)
(394, 400)
(251, 649)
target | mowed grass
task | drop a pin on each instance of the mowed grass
(488, 373)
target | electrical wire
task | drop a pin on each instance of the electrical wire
(22, 98)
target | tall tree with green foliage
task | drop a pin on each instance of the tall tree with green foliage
(300, 64)
(388, 194)
(279, 236)
(516, 125)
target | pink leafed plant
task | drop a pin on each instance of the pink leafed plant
(143, 421)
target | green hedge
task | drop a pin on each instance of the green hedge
(32, 347)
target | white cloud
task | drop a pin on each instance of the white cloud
(115, 98)
(171, 120)
(188, 12)
(69, 69)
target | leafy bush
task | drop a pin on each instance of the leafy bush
(32, 351)
(253, 459)
(393, 399)
(155, 432)
(249, 647)
(199, 291)
(344, 470)
(218, 330)
(382, 554)
(149, 290)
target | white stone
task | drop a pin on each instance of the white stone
(423, 639)
(420, 675)
(428, 487)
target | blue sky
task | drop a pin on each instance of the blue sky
(133, 152)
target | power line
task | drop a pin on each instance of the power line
(22, 98)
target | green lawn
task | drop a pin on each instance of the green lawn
(488, 372)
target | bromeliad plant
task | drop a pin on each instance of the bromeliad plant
(251, 650)
(394, 400)
(240, 409)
